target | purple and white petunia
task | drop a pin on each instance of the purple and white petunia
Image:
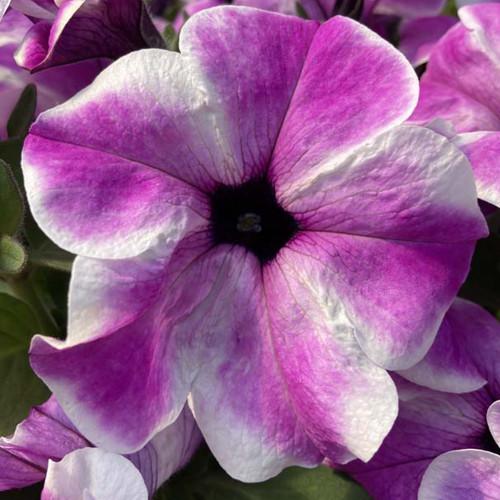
(42, 445)
(77, 30)
(433, 425)
(54, 86)
(257, 232)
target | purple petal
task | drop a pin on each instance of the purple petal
(483, 150)
(124, 330)
(53, 86)
(376, 280)
(168, 451)
(438, 100)
(40, 9)
(353, 86)
(462, 475)
(429, 423)
(417, 37)
(45, 434)
(84, 30)
(449, 366)
(101, 204)
(410, 8)
(239, 397)
(253, 102)
(92, 473)
(287, 7)
(407, 184)
(463, 72)
(346, 403)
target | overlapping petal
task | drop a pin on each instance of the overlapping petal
(396, 186)
(483, 150)
(429, 423)
(417, 37)
(353, 86)
(461, 81)
(143, 355)
(46, 434)
(240, 397)
(462, 475)
(92, 473)
(467, 342)
(344, 401)
(252, 92)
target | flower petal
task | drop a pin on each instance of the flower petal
(483, 149)
(438, 100)
(462, 475)
(124, 329)
(353, 86)
(83, 164)
(253, 74)
(407, 184)
(83, 30)
(239, 397)
(394, 293)
(429, 423)
(465, 61)
(417, 37)
(45, 434)
(168, 451)
(410, 8)
(448, 366)
(342, 399)
(93, 473)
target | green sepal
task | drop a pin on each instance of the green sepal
(11, 202)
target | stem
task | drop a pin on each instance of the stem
(24, 290)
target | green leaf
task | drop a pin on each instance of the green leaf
(10, 153)
(20, 389)
(450, 8)
(171, 38)
(24, 113)
(301, 11)
(12, 211)
(13, 257)
(203, 479)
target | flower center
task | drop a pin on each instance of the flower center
(249, 215)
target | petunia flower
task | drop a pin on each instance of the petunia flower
(88, 29)
(41, 447)
(255, 229)
(54, 86)
(432, 423)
